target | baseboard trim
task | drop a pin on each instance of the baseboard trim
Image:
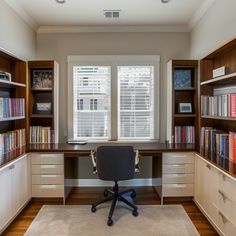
(101, 183)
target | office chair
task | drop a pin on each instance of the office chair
(115, 163)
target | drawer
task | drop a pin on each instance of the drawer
(178, 157)
(48, 179)
(57, 159)
(225, 225)
(178, 178)
(47, 169)
(177, 190)
(178, 169)
(227, 206)
(47, 190)
(228, 186)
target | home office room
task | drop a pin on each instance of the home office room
(117, 117)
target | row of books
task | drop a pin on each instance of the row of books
(221, 105)
(217, 144)
(12, 140)
(12, 107)
(40, 134)
(184, 134)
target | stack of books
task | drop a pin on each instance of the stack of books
(184, 134)
(221, 105)
(12, 140)
(12, 107)
(218, 145)
(39, 134)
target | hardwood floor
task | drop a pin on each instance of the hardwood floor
(145, 196)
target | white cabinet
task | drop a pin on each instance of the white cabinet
(215, 194)
(178, 174)
(5, 197)
(15, 189)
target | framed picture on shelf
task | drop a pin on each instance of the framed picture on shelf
(185, 108)
(183, 78)
(43, 108)
(41, 79)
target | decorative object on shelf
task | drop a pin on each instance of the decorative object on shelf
(183, 78)
(42, 79)
(185, 108)
(219, 72)
(5, 75)
(43, 108)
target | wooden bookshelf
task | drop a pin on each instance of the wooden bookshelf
(221, 80)
(15, 88)
(181, 93)
(41, 93)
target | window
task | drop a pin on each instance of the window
(89, 121)
(123, 86)
(135, 106)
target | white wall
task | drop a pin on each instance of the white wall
(59, 46)
(16, 36)
(216, 27)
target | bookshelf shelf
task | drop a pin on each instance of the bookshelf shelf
(41, 116)
(12, 118)
(10, 84)
(184, 115)
(219, 118)
(221, 80)
(42, 89)
(184, 89)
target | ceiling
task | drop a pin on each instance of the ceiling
(90, 13)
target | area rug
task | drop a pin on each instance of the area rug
(153, 220)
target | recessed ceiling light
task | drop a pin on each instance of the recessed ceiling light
(61, 1)
(165, 1)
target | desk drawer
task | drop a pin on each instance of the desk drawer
(47, 190)
(225, 225)
(178, 169)
(57, 159)
(178, 178)
(178, 157)
(177, 190)
(48, 179)
(47, 169)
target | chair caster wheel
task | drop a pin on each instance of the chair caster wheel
(105, 193)
(93, 209)
(133, 194)
(110, 222)
(135, 213)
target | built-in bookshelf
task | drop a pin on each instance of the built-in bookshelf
(13, 104)
(217, 105)
(43, 101)
(182, 106)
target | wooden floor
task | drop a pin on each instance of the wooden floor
(145, 196)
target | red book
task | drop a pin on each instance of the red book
(233, 104)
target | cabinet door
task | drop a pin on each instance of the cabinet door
(20, 184)
(5, 197)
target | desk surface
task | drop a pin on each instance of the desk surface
(147, 148)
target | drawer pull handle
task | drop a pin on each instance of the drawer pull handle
(178, 165)
(48, 186)
(208, 166)
(222, 195)
(179, 156)
(223, 177)
(48, 176)
(180, 185)
(224, 219)
(48, 166)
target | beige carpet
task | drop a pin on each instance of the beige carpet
(78, 220)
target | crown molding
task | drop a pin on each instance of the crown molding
(22, 13)
(112, 28)
(200, 12)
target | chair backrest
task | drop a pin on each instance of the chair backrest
(115, 163)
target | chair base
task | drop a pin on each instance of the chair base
(114, 195)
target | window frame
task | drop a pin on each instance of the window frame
(114, 61)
